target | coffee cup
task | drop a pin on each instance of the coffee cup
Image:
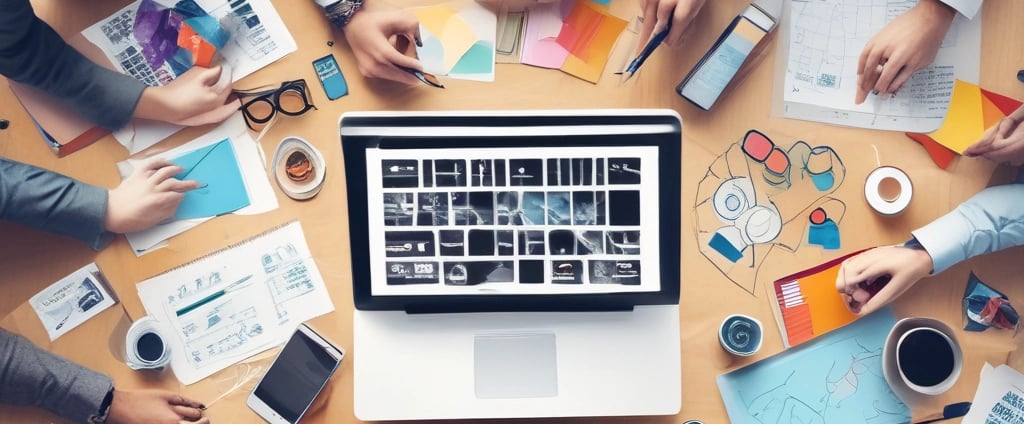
(740, 335)
(145, 345)
(929, 359)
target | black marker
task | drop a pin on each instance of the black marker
(427, 78)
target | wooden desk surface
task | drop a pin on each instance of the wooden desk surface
(33, 260)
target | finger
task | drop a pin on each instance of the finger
(886, 295)
(901, 78)
(187, 412)
(982, 145)
(208, 76)
(650, 19)
(153, 164)
(889, 72)
(664, 16)
(682, 17)
(218, 114)
(165, 173)
(851, 304)
(174, 184)
(1006, 126)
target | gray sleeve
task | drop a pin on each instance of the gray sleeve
(48, 201)
(32, 53)
(34, 377)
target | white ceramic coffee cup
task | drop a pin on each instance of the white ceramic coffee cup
(957, 357)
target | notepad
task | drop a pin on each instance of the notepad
(807, 305)
(223, 191)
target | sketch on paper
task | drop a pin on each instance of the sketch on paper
(237, 302)
(757, 198)
(836, 378)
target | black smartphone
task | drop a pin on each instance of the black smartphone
(330, 76)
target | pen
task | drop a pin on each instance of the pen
(426, 78)
(214, 296)
(652, 44)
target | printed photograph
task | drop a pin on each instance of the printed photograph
(531, 242)
(526, 172)
(412, 273)
(588, 208)
(453, 242)
(624, 207)
(400, 173)
(623, 242)
(487, 172)
(567, 272)
(615, 272)
(398, 209)
(471, 273)
(450, 173)
(559, 211)
(409, 243)
(432, 209)
(623, 170)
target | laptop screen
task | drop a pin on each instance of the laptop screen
(511, 211)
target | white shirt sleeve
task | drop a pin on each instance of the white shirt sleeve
(968, 8)
(991, 220)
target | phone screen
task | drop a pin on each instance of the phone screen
(330, 76)
(296, 377)
(712, 75)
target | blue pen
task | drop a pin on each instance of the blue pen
(231, 287)
(652, 44)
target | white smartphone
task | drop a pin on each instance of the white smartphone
(295, 378)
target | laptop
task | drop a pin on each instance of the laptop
(514, 264)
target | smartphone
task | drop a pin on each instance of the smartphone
(295, 378)
(709, 78)
(330, 76)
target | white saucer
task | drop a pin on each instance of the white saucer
(891, 371)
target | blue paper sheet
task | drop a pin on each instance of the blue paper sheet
(216, 167)
(835, 378)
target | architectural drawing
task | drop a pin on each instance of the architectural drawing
(757, 198)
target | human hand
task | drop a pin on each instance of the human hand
(154, 407)
(198, 97)
(860, 276)
(373, 33)
(148, 196)
(1003, 142)
(658, 13)
(905, 45)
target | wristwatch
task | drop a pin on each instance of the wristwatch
(101, 415)
(339, 12)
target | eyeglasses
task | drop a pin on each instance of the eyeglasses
(291, 98)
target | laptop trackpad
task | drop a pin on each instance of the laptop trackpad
(519, 365)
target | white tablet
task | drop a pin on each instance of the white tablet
(295, 378)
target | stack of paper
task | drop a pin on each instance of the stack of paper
(1000, 397)
(574, 36)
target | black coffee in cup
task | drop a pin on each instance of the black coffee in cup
(150, 347)
(925, 357)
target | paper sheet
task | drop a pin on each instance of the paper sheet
(836, 379)
(540, 48)
(258, 37)
(223, 308)
(458, 42)
(257, 184)
(825, 39)
(222, 189)
(72, 300)
(1000, 397)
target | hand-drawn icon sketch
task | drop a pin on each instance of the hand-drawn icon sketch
(749, 200)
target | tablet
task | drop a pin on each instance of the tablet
(295, 378)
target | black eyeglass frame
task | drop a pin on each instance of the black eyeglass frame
(273, 98)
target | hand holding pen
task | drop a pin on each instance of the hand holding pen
(663, 21)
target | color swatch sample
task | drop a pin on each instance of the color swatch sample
(222, 190)
(458, 43)
(574, 36)
(972, 110)
(807, 304)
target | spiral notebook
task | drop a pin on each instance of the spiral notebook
(236, 302)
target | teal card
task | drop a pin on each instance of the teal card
(216, 169)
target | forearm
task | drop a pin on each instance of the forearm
(32, 53)
(991, 220)
(48, 201)
(32, 376)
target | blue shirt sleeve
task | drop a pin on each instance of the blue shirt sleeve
(991, 220)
